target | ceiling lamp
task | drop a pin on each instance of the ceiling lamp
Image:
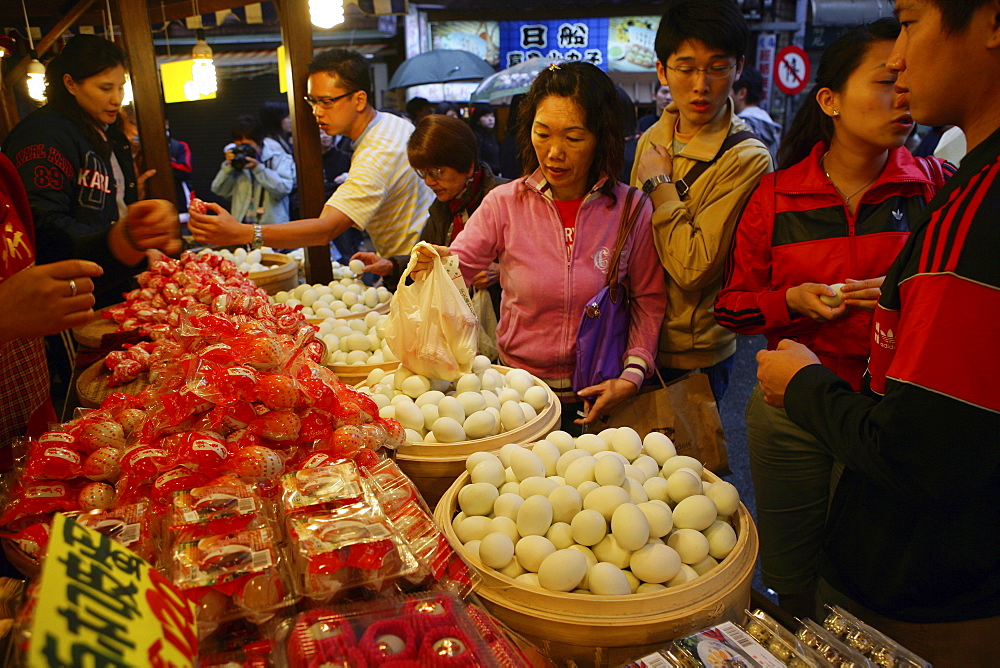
(204, 81)
(326, 14)
(36, 71)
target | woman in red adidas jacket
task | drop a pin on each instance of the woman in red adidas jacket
(837, 211)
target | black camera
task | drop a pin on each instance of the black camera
(240, 154)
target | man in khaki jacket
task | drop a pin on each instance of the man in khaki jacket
(700, 47)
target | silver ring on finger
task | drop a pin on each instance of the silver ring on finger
(72, 288)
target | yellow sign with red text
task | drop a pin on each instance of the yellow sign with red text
(100, 605)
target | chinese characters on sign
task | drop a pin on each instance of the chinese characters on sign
(584, 39)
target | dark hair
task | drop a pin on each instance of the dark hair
(442, 141)
(956, 14)
(753, 82)
(836, 65)
(628, 111)
(479, 110)
(247, 126)
(717, 23)
(272, 112)
(594, 91)
(350, 67)
(418, 107)
(83, 57)
(445, 107)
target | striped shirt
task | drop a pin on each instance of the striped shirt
(382, 194)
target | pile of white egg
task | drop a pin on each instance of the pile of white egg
(339, 298)
(483, 403)
(605, 514)
(355, 342)
(248, 261)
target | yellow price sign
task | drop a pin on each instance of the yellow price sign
(98, 604)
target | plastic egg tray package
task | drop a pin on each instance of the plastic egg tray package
(881, 649)
(129, 525)
(608, 514)
(246, 261)
(356, 341)
(837, 653)
(336, 299)
(781, 642)
(428, 630)
(339, 536)
(483, 403)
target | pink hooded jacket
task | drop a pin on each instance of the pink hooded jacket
(544, 290)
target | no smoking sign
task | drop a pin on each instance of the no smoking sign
(791, 70)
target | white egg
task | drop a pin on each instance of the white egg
(682, 461)
(532, 550)
(477, 498)
(357, 357)
(507, 505)
(429, 397)
(473, 528)
(607, 434)
(488, 383)
(413, 436)
(726, 497)
(519, 380)
(838, 297)
(682, 484)
(526, 464)
(507, 394)
(471, 401)
(609, 471)
(409, 415)
(588, 554)
(721, 539)
(537, 397)
(586, 488)
(705, 565)
(561, 535)
(534, 517)
(580, 470)
(537, 485)
(648, 466)
(468, 382)
(548, 453)
(374, 376)
(588, 527)
(610, 551)
(448, 430)
(480, 425)
(608, 580)
(529, 412)
(605, 500)
(562, 440)
(514, 569)
(496, 550)
(511, 415)
(566, 503)
(630, 527)
(654, 563)
(659, 516)
(507, 526)
(562, 570)
(635, 473)
(477, 457)
(567, 458)
(511, 488)
(491, 400)
(414, 386)
(592, 443)
(496, 419)
(690, 544)
(528, 580)
(451, 408)
(389, 413)
(505, 452)
(489, 471)
(480, 363)
(684, 575)
(695, 512)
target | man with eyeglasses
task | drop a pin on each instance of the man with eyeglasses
(381, 195)
(700, 49)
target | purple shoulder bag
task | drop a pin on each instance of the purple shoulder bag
(602, 339)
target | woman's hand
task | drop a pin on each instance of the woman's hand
(220, 228)
(805, 299)
(487, 277)
(153, 223)
(374, 264)
(863, 294)
(141, 182)
(425, 258)
(41, 300)
(656, 160)
(602, 400)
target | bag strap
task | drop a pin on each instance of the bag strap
(684, 185)
(629, 216)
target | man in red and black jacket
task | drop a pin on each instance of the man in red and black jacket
(909, 541)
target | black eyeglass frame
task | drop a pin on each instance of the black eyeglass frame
(326, 102)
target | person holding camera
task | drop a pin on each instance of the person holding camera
(257, 175)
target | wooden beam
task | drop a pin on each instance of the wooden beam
(148, 99)
(296, 33)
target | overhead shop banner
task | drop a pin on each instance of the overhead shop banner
(572, 39)
(477, 37)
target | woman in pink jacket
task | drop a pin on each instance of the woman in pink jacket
(553, 231)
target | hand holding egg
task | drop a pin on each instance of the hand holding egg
(813, 300)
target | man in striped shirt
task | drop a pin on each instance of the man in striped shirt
(381, 195)
(906, 547)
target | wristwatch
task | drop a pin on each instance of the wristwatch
(258, 237)
(650, 184)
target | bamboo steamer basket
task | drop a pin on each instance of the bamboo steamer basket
(381, 308)
(90, 335)
(433, 467)
(92, 385)
(356, 374)
(283, 273)
(593, 630)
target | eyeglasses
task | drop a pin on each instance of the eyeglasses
(435, 173)
(714, 72)
(326, 102)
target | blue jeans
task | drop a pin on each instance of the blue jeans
(718, 375)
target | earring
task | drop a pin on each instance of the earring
(836, 112)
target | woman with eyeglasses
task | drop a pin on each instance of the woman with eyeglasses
(553, 231)
(837, 211)
(442, 150)
(77, 168)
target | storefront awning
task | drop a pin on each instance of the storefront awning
(848, 12)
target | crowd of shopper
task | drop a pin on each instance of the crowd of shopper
(870, 271)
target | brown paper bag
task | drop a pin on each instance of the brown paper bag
(685, 410)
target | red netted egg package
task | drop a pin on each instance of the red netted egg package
(427, 630)
(232, 575)
(322, 487)
(338, 550)
(241, 644)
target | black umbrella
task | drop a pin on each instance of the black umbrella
(440, 66)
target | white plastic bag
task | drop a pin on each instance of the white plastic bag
(432, 328)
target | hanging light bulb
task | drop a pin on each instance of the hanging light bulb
(36, 79)
(203, 69)
(326, 14)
